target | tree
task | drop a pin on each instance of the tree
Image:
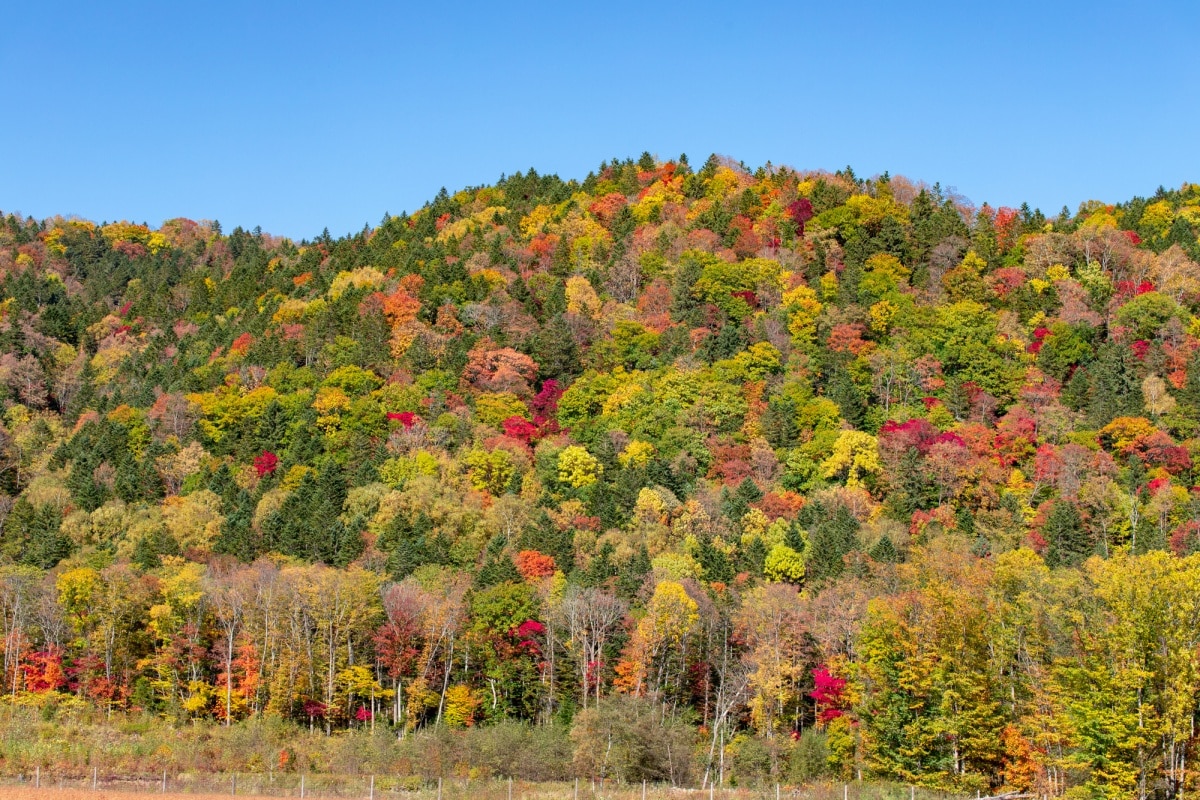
(777, 653)
(577, 467)
(832, 538)
(655, 659)
(588, 618)
(1067, 539)
(855, 455)
(228, 596)
(784, 565)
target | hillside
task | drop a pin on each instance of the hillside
(801, 474)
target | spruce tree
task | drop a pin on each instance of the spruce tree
(634, 573)
(1068, 543)
(1115, 387)
(831, 540)
(546, 537)
(884, 551)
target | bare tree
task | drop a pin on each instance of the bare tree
(17, 590)
(229, 595)
(588, 617)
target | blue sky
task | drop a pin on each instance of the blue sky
(297, 116)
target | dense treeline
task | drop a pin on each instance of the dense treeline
(795, 473)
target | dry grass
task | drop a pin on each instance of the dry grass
(456, 789)
(54, 793)
(450, 792)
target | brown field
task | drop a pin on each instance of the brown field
(54, 793)
(479, 790)
(450, 792)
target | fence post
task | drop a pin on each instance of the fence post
(233, 785)
(164, 782)
(510, 787)
(846, 791)
(302, 786)
(439, 787)
(643, 789)
(372, 787)
(576, 787)
(777, 791)
(93, 779)
(37, 777)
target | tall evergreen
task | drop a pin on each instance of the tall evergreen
(1067, 540)
(831, 539)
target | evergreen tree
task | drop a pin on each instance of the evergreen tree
(601, 568)
(851, 401)
(884, 551)
(1115, 389)
(32, 535)
(736, 505)
(831, 540)
(150, 549)
(779, 423)
(714, 564)
(237, 537)
(308, 524)
(546, 537)
(554, 350)
(753, 556)
(1068, 543)
(634, 573)
(497, 566)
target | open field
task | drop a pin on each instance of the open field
(452, 790)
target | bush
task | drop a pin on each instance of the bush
(624, 740)
(809, 759)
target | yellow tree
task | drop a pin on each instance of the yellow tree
(854, 455)
(656, 656)
(771, 624)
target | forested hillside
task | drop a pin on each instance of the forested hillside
(796, 473)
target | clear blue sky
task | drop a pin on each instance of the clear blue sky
(300, 115)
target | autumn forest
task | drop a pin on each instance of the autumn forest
(689, 473)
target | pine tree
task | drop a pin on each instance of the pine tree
(308, 524)
(237, 536)
(1068, 543)
(150, 549)
(831, 540)
(497, 566)
(554, 350)
(634, 573)
(736, 504)
(32, 535)
(714, 564)
(545, 537)
(779, 423)
(884, 551)
(1115, 388)
(752, 557)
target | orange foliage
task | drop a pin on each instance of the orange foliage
(786, 504)
(534, 565)
(241, 344)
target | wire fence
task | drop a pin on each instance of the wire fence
(382, 787)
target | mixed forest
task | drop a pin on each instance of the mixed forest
(700, 474)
